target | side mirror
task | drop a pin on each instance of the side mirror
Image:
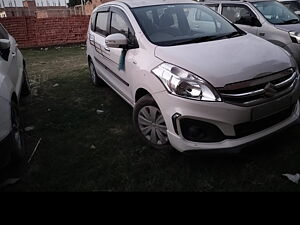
(116, 41)
(4, 44)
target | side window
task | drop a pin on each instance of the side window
(118, 25)
(213, 6)
(101, 23)
(238, 14)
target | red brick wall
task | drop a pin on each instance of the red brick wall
(33, 32)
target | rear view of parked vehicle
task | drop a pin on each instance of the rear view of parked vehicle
(265, 18)
(13, 85)
(195, 81)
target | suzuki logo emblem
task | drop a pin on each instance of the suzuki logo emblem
(270, 90)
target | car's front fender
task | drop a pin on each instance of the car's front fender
(6, 87)
(6, 90)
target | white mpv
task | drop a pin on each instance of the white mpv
(13, 85)
(196, 81)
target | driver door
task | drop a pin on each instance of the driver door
(121, 77)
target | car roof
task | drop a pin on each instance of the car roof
(287, 0)
(141, 3)
(236, 1)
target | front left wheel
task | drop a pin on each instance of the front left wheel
(150, 123)
(16, 136)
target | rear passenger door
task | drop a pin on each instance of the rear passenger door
(242, 16)
(100, 28)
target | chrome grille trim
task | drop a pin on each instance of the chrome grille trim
(289, 89)
(286, 82)
(245, 95)
(257, 91)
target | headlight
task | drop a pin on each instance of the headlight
(185, 84)
(295, 37)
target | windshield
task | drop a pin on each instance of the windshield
(293, 6)
(168, 25)
(276, 13)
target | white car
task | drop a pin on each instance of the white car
(195, 80)
(13, 85)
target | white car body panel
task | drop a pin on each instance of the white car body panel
(11, 78)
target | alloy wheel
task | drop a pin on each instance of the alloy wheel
(152, 125)
(16, 128)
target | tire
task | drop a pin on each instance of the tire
(15, 138)
(150, 123)
(25, 91)
(96, 80)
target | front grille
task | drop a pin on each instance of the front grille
(249, 128)
(260, 90)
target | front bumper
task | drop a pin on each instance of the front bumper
(294, 49)
(225, 117)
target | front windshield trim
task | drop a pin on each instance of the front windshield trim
(165, 43)
(283, 22)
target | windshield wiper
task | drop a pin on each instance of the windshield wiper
(208, 38)
(291, 21)
(234, 34)
(196, 40)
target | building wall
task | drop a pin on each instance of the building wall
(30, 9)
(33, 32)
(54, 13)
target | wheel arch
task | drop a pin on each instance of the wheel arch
(141, 92)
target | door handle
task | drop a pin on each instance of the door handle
(262, 34)
(107, 49)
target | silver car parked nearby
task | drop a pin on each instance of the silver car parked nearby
(195, 81)
(265, 18)
(13, 85)
(293, 5)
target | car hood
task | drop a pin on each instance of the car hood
(289, 27)
(227, 61)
